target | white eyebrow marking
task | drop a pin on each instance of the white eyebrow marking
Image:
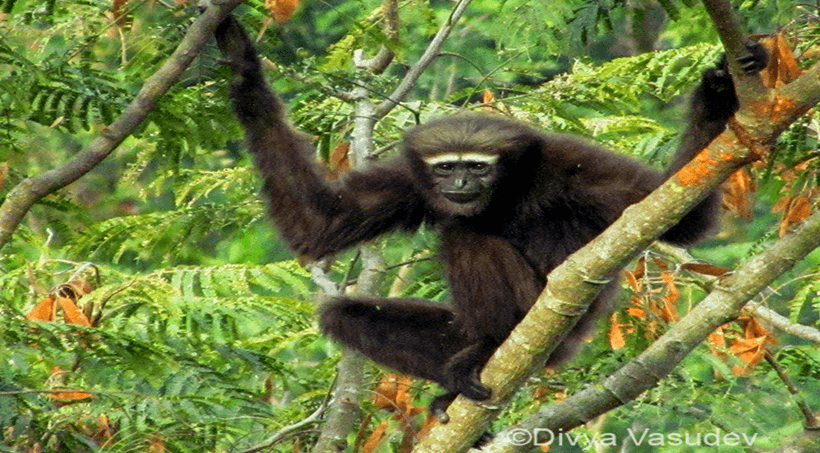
(456, 157)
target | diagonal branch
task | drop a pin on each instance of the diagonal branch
(29, 191)
(660, 358)
(426, 58)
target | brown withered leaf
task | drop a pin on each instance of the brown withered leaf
(783, 67)
(338, 161)
(752, 347)
(617, 332)
(487, 97)
(282, 10)
(738, 194)
(640, 268)
(75, 289)
(68, 397)
(4, 171)
(157, 444)
(705, 269)
(376, 438)
(44, 311)
(795, 209)
(72, 313)
(716, 342)
(632, 280)
(668, 311)
(392, 392)
(662, 265)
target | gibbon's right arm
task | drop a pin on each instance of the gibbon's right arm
(315, 217)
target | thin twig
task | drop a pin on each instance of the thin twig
(430, 54)
(23, 196)
(287, 431)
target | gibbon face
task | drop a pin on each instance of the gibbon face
(463, 183)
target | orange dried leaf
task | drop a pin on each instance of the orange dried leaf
(639, 313)
(104, 430)
(403, 398)
(669, 312)
(282, 9)
(44, 311)
(393, 394)
(72, 313)
(375, 439)
(718, 337)
(752, 347)
(752, 328)
(798, 209)
(632, 281)
(750, 350)
(71, 397)
(157, 445)
(661, 264)
(617, 337)
(738, 194)
(782, 204)
(669, 279)
(785, 68)
(487, 97)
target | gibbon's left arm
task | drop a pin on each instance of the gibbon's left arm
(315, 217)
(713, 104)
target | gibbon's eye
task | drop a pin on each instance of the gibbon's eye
(478, 168)
(444, 168)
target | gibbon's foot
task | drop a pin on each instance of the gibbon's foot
(462, 372)
(438, 407)
(475, 390)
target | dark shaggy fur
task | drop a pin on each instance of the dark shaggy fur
(553, 194)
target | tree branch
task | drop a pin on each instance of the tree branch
(426, 58)
(781, 322)
(25, 194)
(659, 359)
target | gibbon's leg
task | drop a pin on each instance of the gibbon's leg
(412, 336)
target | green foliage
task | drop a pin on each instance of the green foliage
(183, 352)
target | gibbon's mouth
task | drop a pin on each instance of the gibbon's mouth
(461, 197)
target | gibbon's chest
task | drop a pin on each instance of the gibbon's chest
(543, 238)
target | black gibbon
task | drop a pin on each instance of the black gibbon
(510, 203)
